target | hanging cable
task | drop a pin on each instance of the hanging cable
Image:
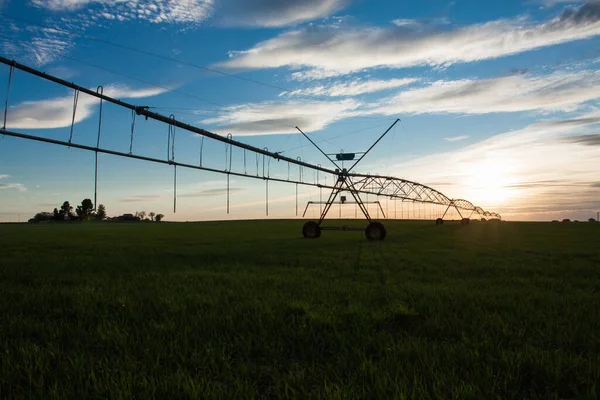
(75, 101)
(201, 149)
(228, 153)
(263, 161)
(10, 76)
(171, 141)
(300, 172)
(257, 162)
(175, 189)
(228, 156)
(267, 197)
(99, 90)
(132, 131)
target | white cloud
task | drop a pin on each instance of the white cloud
(156, 11)
(558, 91)
(552, 3)
(352, 88)
(264, 13)
(275, 13)
(273, 118)
(340, 50)
(416, 24)
(19, 186)
(4, 176)
(456, 138)
(38, 46)
(58, 112)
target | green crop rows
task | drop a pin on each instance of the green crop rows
(252, 310)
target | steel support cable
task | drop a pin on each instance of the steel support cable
(170, 157)
(163, 57)
(155, 116)
(148, 53)
(174, 188)
(10, 77)
(171, 141)
(75, 101)
(100, 90)
(132, 131)
(201, 148)
(168, 89)
(228, 157)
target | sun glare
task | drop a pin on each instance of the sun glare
(489, 182)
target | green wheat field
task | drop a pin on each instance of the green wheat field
(241, 310)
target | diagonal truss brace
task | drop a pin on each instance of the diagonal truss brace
(344, 184)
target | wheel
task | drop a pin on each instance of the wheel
(439, 221)
(375, 231)
(465, 221)
(311, 230)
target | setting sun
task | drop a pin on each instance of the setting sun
(489, 183)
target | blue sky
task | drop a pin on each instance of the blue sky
(498, 100)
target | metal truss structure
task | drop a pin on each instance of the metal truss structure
(344, 180)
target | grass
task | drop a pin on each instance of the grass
(252, 310)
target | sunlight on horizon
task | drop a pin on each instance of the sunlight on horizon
(491, 182)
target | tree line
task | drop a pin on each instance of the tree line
(86, 212)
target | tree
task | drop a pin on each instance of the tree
(142, 215)
(43, 216)
(56, 214)
(101, 213)
(65, 209)
(591, 220)
(159, 217)
(85, 209)
(152, 214)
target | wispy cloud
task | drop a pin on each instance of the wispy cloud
(36, 46)
(4, 176)
(456, 138)
(340, 50)
(352, 88)
(202, 193)
(19, 186)
(552, 3)
(588, 140)
(275, 13)
(58, 112)
(212, 192)
(281, 117)
(140, 199)
(558, 91)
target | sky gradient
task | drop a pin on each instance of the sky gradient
(499, 101)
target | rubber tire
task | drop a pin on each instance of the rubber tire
(311, 230)
(439, 221)
(375, 231)
(465, 221)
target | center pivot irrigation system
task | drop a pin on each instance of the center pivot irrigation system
(344, 179)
